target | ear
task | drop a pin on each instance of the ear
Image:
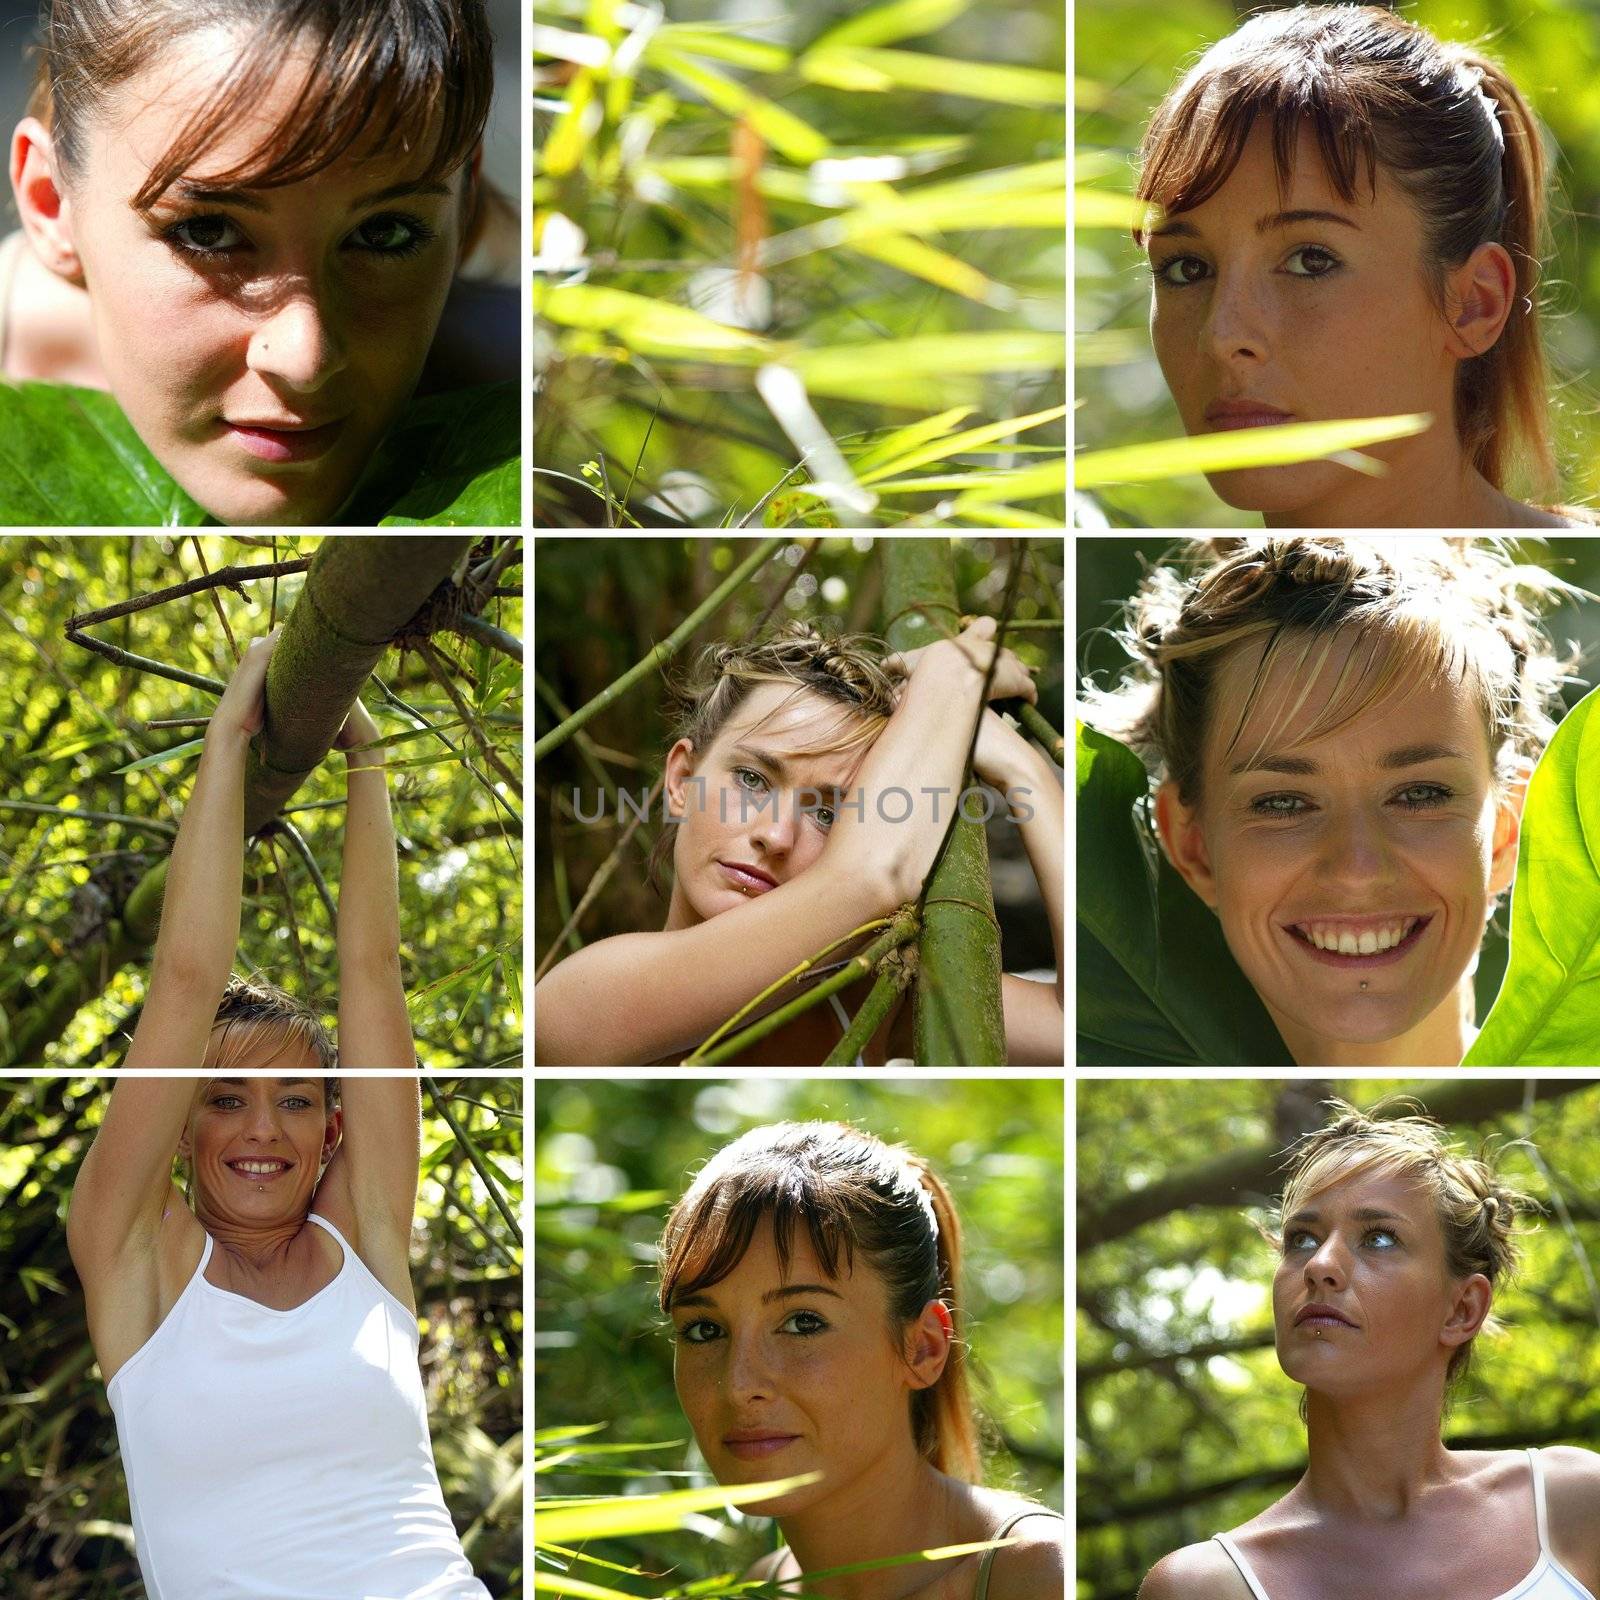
(42, 200)
(332, 1134)
(1479, 297)
(680, 769)
(1467, 1311)
(928, 1342)
(1508, 829)
(1185, 843)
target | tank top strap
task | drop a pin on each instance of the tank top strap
(1236, 1556)
(981, 1591)
(1541, 1517)
(322, 1222)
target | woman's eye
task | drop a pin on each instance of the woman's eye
(756, 780)
(226, 1102)
(1180, 271)
(1375, 1234)
(1315, 262)
(699, 1331)
(204, 236)
(1299, 1239)
(392, 235)
(1434, 794)
(1268, 805)
(297, 1103)
(1289, 805)
(803, 1323)
(824, 816)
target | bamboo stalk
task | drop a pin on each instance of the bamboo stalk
(663, 652)
(903, 927)
(1041, 730)
(894, 973)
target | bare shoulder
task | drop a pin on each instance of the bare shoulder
(1196, 1572)
(1572, 1494)
(1034, 1569)
(775, 1564)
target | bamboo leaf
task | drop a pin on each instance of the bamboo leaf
(909, 438)
(654, 1513)
(1098, 208)
(784, 131)
(869, 71)
(720, 44)
(1240, 447)
(1011, 483)
(651, 327)
(178, 752)
(937, 267)
(970, 440)
(907, 367)
(580, 1588)
(899, 19)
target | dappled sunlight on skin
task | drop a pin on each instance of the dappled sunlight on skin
(745, 812)
(1268, 849)
(315, 312)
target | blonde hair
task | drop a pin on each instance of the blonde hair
(256, 1015)
(1452, 606)
(1448, 126)
(1476, 1208)
(845, 669)
(855, 1196)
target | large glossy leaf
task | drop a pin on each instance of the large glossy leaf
(70, 458)
(1157, 984)
(1548, 1011)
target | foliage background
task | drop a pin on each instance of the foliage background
(1129, 52)
(611, 1158)
(602, 604)
(653, 180)
(1186, 1425)
(73, 719)
(1109, 570)
(65, 1532)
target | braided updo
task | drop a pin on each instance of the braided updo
(1477, 1209)
(1455, 606)
(845, 668)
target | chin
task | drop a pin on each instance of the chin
(1277, 491)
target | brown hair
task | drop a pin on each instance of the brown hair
(1476, 1208)
(381, 71)
(856, 1196)
(1451, 605)
(257, 1014)
(1443, 121)
(846, 669)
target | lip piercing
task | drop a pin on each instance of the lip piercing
(1316, 1333)
(1363, 983)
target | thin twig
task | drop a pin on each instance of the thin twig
(39, 808)
(216, 599)
(126, 658)
(442, 1106)
(485, 632)
(232, 577)
(431, 660)
(303, 850)
(1041, 730)
(176, 722)
(664, 651)
(894, 973)
(294, 926)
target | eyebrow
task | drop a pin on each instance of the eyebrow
(1408, 755)
(283, 1083)
(785, 1292)
(1361, 1214)
(246, 201)
(1273, 219)
(779, 766)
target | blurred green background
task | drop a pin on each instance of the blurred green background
(612, 1157)
(1129, 53)
(1186, 1425)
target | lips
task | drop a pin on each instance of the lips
(1300, 937)
(754, 1444)
(1243, 412)
(752, 880)
(262, 1170)
(1318, 1315)
(289, 442)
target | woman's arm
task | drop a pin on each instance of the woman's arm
(374, 1028)
(1035, 1013)
(638, 997)
(200, 908)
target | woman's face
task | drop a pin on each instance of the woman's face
(1302, 307)
(1368, 1251)
(258, 1145)
(786, 1373)
(260, 341)
(755, 810)
(1387, 827)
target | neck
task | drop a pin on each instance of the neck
(1441, 1039)
(1371, 1459)
(260, 1244)
(680, 914)
(891, 1509)
(1428, 484)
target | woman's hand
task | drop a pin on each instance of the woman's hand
(243, 706)
(975, 646)
(359, 729)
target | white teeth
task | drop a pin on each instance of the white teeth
(1368, 942)
(258, 1169)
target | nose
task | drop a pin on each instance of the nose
(1328, 1265)
(773, 826)
(1236, 322)
(297, 345)
(262, 1123)
(1353, 848)
(747, 1376)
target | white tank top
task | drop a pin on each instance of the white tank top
(284, 1455)
(1549, 1580)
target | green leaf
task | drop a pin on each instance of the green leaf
(1547, 1013)
(908, 370)
(652, 1513)
(911, 437)
(784, 131)
(651, 327)
(943, 449)
(70, 458)
(178, 752)
(1156, 982)
(561, 1583)
(899, 19)
(937, 267)
(720, 44)
(1242, 447)
(877, 71)
(1096, 208)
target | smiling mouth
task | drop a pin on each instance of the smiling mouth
(258, 1171)
(284, 446)
(1335, 950)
